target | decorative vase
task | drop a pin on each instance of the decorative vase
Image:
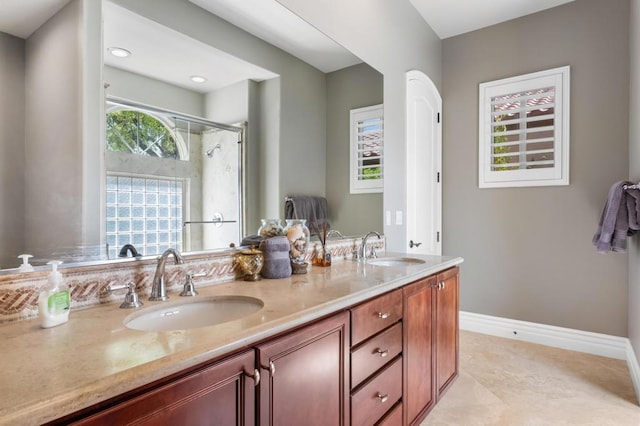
(270, 228)
(250, 263)
(298, 235)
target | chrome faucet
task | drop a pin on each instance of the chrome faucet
(362, 254)
(159, 289)
(335, 232)
(124, 251)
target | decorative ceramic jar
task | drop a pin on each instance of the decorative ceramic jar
(298, 235)
(270, 228)
(250, 263)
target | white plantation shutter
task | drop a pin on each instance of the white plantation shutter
(524, 130)
(366, 149)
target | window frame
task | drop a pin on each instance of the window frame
(364, 186)
(558, 175)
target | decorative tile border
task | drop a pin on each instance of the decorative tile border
(88, 284)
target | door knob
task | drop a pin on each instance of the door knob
(412, 244)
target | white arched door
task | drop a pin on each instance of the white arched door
(424, 165)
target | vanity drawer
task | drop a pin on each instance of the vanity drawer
(393, 417)
(377, 396)
(375, 315)
(375, 353)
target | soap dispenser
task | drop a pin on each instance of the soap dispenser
(55, 300)
(25, 266)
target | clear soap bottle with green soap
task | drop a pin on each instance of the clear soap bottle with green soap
(54, 302)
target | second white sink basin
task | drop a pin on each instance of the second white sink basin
(194, 314)
(394, 261)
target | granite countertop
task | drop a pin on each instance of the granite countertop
(52, 372)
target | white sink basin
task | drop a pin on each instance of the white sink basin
(193, 314)
(394, 261)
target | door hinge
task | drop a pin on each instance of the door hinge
(438, 177)
(438, 237)
(438, 117)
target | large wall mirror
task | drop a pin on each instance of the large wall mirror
(99, 150)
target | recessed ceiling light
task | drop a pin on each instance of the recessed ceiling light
(197, 79)
(119, 52)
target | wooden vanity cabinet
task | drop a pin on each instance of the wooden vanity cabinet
(447, 329)
(305, 375)
(221, 394)
(430, 348)
(376, 360)
(385, 361)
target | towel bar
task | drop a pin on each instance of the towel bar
(634, 186)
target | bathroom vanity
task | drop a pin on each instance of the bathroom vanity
(353, 344)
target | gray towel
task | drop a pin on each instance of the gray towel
(620, 218)
(276, 257)
(313, 209)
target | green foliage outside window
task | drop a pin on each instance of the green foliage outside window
(500, 163)
(139, 133)
(372, 173)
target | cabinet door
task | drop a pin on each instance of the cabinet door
(221, 394)
(446, 329)
(418, 330)
(305, 375)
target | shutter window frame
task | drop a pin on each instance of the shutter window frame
(524, 130)
(366, 149)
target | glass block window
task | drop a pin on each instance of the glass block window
(145, 212)
(366, 152)
(524, 130)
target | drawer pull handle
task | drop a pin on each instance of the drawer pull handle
(382, 353)
(382, 398)
(383, 315)
(255, 376)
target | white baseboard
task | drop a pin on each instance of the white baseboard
(558, 337)
(634, 369)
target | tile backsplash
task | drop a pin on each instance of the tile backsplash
(88, 284)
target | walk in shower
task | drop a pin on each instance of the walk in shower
(172, 180)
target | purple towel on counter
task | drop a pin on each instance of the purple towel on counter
(276, 257)
(620, 218)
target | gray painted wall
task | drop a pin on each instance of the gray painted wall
(402, 41)
(634, 172)
(11, 148)
(135, 87)
(54, 113)
(528, 252)
(353, 87)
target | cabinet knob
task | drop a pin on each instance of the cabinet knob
(272, 368)
(382, 398)
(382, 353)
(383, 315)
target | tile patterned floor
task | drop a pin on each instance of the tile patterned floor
(511, 383)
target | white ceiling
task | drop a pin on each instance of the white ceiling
(20, 18)
(452, 17)
(277, 25)
(170, 56)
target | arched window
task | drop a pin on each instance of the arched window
(136, 132)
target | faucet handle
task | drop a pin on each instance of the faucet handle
(131, 299)
(189, 288)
